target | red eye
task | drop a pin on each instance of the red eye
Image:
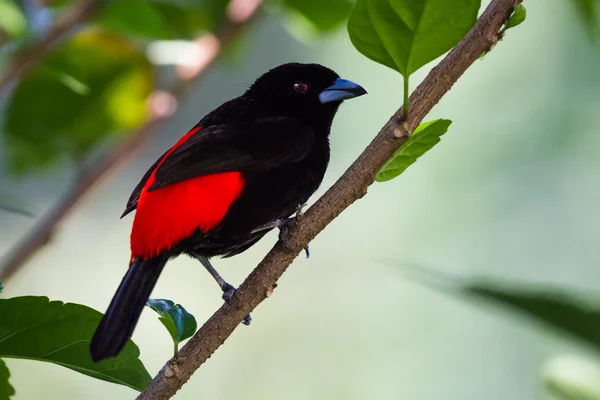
(300, 87)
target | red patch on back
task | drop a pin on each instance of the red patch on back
(167, 215)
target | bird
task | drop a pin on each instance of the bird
(246, 168)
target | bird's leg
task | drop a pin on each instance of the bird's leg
(228, 290)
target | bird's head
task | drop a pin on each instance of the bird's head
(310, 92)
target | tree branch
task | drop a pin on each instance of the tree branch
(349, 188)
(30, 56)
(239, 17)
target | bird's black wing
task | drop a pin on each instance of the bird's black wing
(260, 144)
(135, 195)
(256, 145)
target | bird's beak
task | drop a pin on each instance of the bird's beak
(342, 89)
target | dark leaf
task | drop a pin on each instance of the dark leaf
(6, 390)
(564, 310)
(589, 12)
(133, 17)
(421, 141)
(38, 329)
(323, 16)
(180, 323)
(188, 19)
(407, 34)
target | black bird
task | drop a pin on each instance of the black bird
(243, 170)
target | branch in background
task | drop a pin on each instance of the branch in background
(240, 13)
(31, 55)
(349, 188)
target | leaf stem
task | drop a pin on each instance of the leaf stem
(175, 348)
(405, 106)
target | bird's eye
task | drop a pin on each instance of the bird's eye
(301, 87)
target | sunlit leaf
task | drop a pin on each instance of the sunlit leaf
(421, 141)
(518, 16)
(90, 88)
(571, 377)
(180, 323)
(12, 20)
(6, 390)
(407, 34)
(35, 328)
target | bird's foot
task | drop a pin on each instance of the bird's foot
(282, 224)
(283, 234)
(299, 216)
(228, 292)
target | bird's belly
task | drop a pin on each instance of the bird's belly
(269, 197)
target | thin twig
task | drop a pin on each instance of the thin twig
(42, 232)
(349, 188)
(30, 56)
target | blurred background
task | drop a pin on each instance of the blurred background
(510, 195)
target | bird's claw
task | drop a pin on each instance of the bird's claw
(228, 292)
(299, 212)
(282, 224)
(283, 233)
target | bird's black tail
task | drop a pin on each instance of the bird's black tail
(116, 327)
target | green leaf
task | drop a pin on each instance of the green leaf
(322, 16)
(180, 323)
(563, 310)
(12, 20)
(6, 390)
(407, 34)
(89, 89)
(589, 13)
(133, 17)
(518, 16)
(421, 141)
(35, 328)
(188, 19)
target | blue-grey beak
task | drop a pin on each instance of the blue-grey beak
(342, 89)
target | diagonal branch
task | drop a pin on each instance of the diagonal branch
(349, 188)
(30, 56)
(211, 46)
